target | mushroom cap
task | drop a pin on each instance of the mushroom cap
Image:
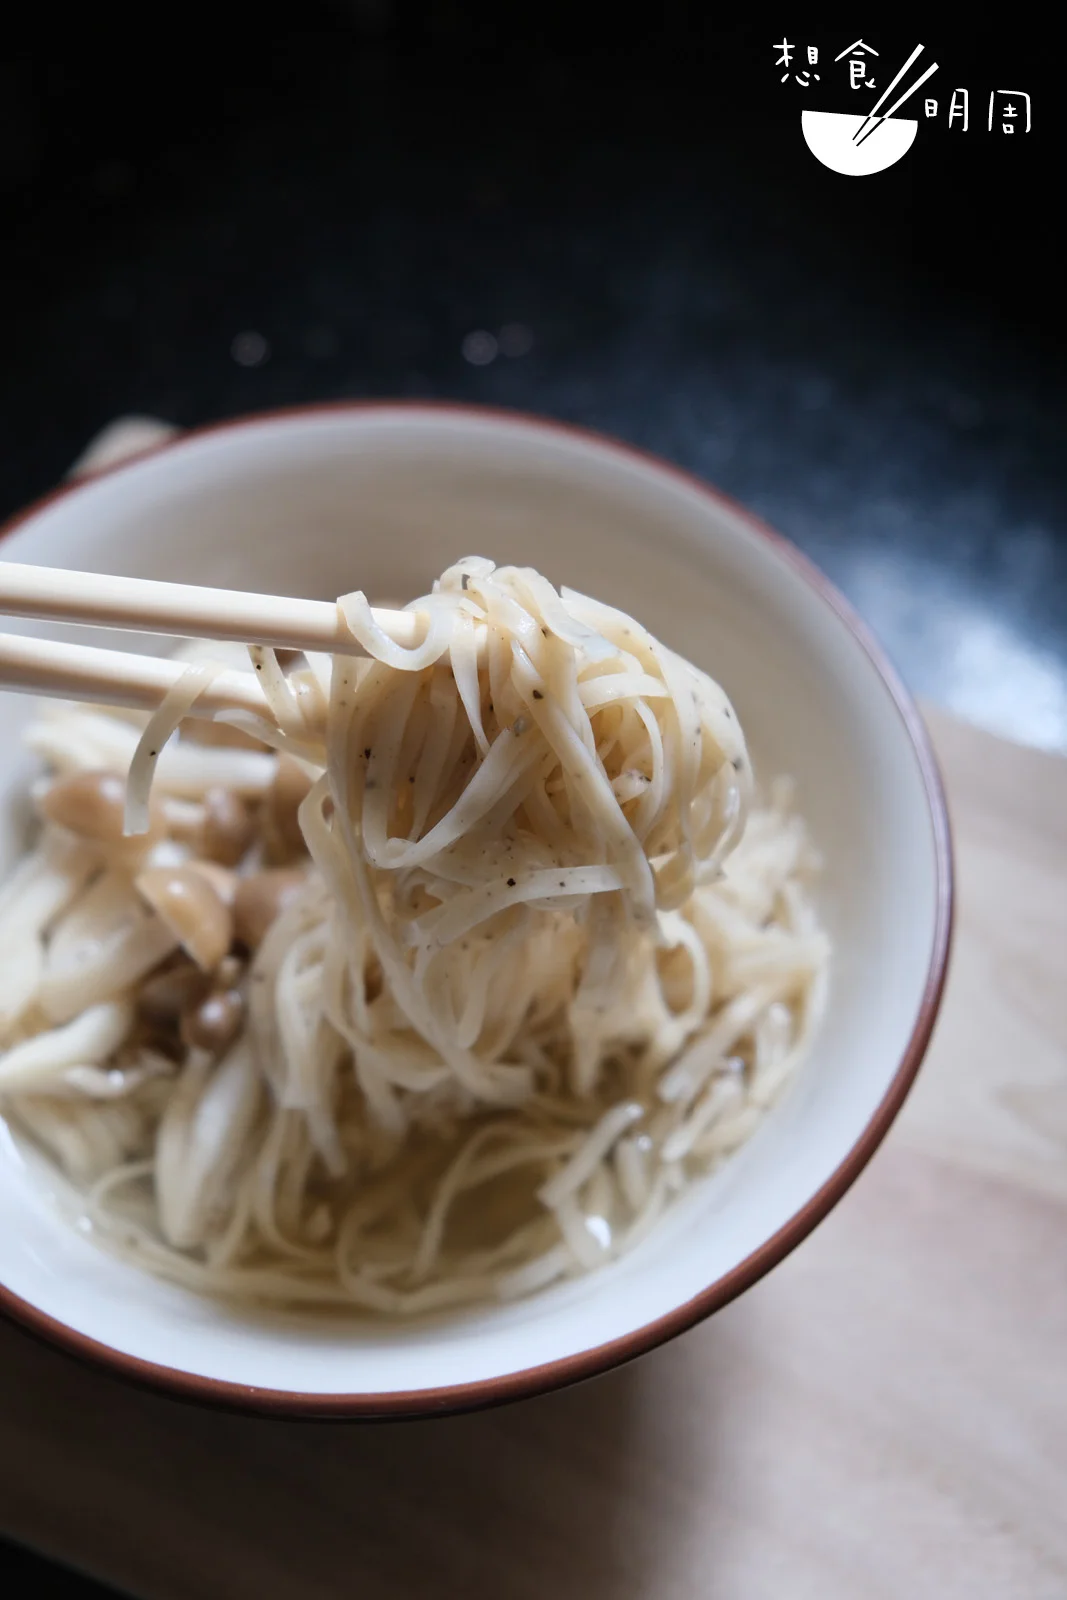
(260, 898)
(227, 829)
(214, 1023)
(221, 879)
(92, 804)
(291, 784)
(185, 900)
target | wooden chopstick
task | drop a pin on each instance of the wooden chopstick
(101, 600)
(113, 677)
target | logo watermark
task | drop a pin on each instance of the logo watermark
(858, 144)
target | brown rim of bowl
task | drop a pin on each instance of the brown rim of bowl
(587, 1363)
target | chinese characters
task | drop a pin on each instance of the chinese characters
(856, 55)
(1009, 107)
(785, 59)
(1009, 112)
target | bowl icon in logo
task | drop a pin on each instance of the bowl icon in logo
(830, 136)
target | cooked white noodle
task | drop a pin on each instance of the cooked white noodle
(539, 962)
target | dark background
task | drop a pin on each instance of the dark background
(876, 366)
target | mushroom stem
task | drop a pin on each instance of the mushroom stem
(201, 1134)
(45, 883)
(42, 888)
(33, 1066)
(87, 740)
(118, 966)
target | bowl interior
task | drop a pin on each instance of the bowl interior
(384, 500)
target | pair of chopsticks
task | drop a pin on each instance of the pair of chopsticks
(873, 121)
(112, 677)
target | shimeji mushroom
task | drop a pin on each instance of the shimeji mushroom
(214, 1023)
(78, 739)
(190, 905)
(115, 1082)
(35, 1065)
(201, 1135)
(92, 804)
(227, 827)
(219, 827)
(41, 889)
(291, 785)
(180, 986)
(106, 943)
(222, 879)
(260, 898)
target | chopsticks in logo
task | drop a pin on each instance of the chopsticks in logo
(865, 131)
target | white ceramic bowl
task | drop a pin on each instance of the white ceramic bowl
(323, 500)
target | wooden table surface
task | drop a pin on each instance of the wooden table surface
(884, 1416)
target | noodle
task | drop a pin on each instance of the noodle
(433, 984)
